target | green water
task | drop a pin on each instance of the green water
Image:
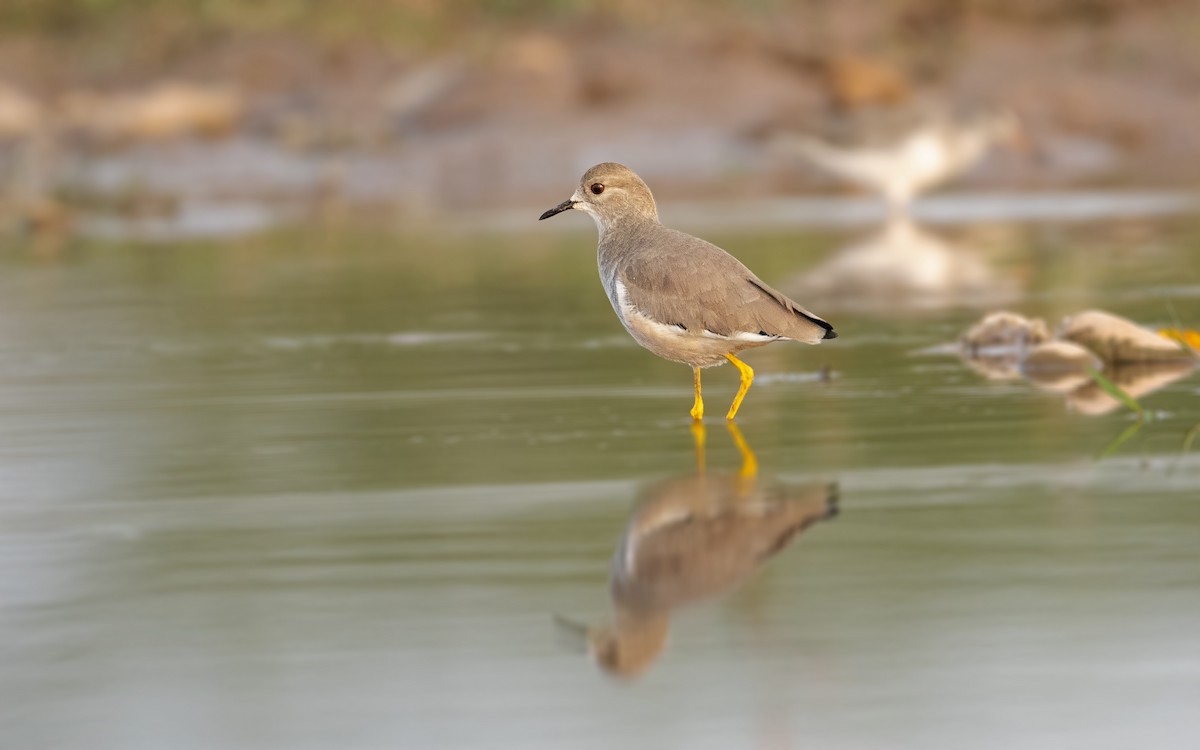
(329, 487)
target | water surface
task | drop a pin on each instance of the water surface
(328, 487)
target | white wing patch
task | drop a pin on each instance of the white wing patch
(628, 310)
(740, 336)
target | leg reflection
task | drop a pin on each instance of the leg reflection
(749, 462)
(699, 435)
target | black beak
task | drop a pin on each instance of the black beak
(565, 205)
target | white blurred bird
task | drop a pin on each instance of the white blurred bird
(901, 154)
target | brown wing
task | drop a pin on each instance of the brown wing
(699, 286)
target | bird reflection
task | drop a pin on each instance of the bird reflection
(690, 538)
(1136, 380)
(903, 264)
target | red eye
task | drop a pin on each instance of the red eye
(597, 188)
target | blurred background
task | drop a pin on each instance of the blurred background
(111, 108)
(312, 436)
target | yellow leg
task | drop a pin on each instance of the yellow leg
(698, 404)
(749, 462)
(698, 434)
(747, 379)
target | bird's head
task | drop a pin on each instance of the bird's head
(609, 192)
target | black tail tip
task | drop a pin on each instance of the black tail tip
(829, 334)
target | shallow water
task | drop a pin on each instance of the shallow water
(330, 487)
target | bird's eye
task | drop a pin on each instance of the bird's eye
(597, 188)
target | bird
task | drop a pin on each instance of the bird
(902, 154)
(681, 297)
